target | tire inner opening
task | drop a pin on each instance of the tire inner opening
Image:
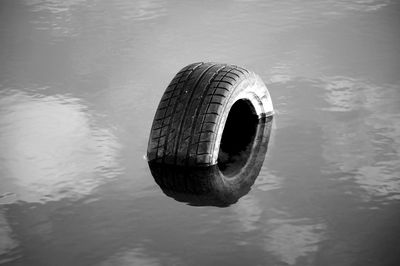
(237, 137)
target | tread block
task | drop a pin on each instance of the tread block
(204, 159)
(187, 118)
(206, 136)
(210, 118)
(214, 109)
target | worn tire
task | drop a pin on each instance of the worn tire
(212, 186)
(189, 122)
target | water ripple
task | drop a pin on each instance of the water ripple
(294, 238)
(51, 149)
(365, 138)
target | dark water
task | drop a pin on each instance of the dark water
(79, 85)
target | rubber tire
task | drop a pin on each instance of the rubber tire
(190, 118)
(209, 186)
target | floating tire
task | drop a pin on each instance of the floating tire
(208, 113)
(216, 185)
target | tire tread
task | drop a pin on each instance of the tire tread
(187, 119)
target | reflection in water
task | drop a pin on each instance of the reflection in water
(268, 180)
(361, 5)
(50, 148)
(292, 239)
(7, 243)
(135, 256)
(59, 20)
(142, 9)
(346, 94)
(248, 212)
(365, 138)
(329, 195)
(138, 256)
(211, 186)
(289, 15)
(360, 129)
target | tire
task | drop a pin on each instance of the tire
(189, 123)
(211, 186)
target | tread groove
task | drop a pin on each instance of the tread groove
(197, 111)
(222, 88)
(216, 103)
(224, 81)
(216, 87)
(237, 69)
(212, 113)
(188, 119)
(207, 131)
(176, 144)
(158, 137)
(174, 109)
(216, 94)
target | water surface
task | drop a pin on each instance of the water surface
(79, 85)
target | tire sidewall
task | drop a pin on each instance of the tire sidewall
(250, 88)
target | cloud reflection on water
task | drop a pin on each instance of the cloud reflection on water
(292, 239)
(359, 123)
(138, 256)
(248, 212)
(365, 138)
(51, 148)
